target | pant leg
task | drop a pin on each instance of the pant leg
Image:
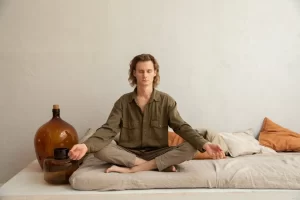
(116, 154)
(177, 155)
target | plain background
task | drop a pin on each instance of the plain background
(227, 63)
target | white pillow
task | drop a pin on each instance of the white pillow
(215, 138)
(86, 136)
(267, 150)
(241, 143)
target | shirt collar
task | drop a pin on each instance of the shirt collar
(154, 96)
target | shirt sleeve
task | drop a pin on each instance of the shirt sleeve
(182, 128)
(106, 133)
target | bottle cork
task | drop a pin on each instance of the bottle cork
(55, 106)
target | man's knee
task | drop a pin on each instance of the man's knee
(187, 150)
(104, 154)
(113, 153)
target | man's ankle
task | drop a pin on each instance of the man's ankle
(139, 161)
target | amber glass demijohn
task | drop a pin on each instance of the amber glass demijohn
(56, 133)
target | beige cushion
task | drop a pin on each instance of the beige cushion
(243, 143)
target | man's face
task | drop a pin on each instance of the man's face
(144, 73)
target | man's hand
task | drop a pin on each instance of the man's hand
(78, 151)
(214, 150)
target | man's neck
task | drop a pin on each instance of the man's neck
(144, 92)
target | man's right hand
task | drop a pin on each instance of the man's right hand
(78, 151)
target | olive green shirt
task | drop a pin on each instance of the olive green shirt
(144, 130)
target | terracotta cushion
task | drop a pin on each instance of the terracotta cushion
(278, 138)
(175, 140)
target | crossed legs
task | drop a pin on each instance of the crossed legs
(126, 161)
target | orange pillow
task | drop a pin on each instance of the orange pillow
(278, 138)
(175, 140)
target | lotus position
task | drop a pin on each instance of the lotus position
(142, 118)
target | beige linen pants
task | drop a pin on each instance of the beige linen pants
(164, 157)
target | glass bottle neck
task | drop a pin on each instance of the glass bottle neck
(55, 113)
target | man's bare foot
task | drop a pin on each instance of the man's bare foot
(115, 168)
(170, 169)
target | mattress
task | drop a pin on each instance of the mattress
(29, 184)
(259, 171)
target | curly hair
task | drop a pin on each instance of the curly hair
(141, 58)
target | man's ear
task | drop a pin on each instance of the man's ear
(134, 73)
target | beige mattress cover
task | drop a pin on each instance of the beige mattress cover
(259, 171)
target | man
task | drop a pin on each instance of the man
(142, 117)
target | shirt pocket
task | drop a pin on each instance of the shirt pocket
(130, 131)
(158, 124)
(159, 130)
(131, 124)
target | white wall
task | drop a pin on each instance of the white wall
(227, 63)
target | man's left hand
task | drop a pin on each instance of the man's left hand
(214, 150)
